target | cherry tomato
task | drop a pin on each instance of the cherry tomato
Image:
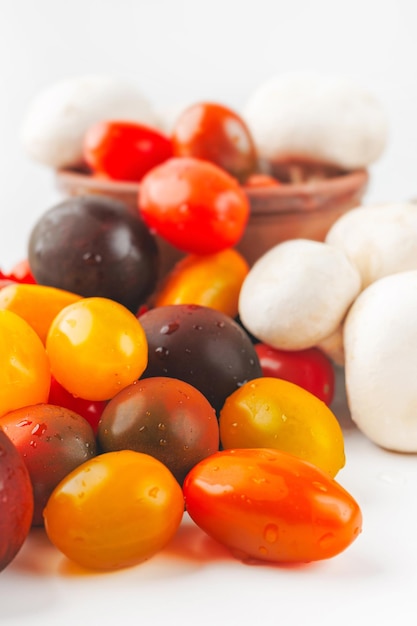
(96, 348)
(115, 510)
(52, 441)
(21, 273)
(125, 150)
(164, 417)
(261, 181)
(16, 501)
(90, 410)
(274, 413)
(215, 133)
(201, 346)
(37, 304)
(310, 369)
(194, 205)
(24, 366)
(213, 280)
(269, 505)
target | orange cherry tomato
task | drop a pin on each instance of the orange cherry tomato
(274, 413)
(24, 366)
(125, 150)
(261, 181)
(213, 132)
(115, 510)
(37, 304)
(96, 348)
(213, 280)
(194, 205)
(270, 505)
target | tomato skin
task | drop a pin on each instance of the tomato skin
(269, 505)
(52, 441)
(212, 280)
(125, 150)
(90, 410)
(16, 501)
(261, 181)
(274, 413)
(96, 348)
(213, 132)
(193, 204)
(115, 510)
(25, 375)
(310, 368)
(164, 417)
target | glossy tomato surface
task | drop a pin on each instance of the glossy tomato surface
(164, 417)
(216, 133)
(16, 501)
(274, 413)
(114, 511)
(24, 365)
(201, 346)
(96, 347)
(90, 410)
(212, 280)
(124, 150)
(95, 246)
(269, 505)
(52, 441)
(310, 368)
(194, 205)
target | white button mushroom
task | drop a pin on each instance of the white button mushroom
(318, 118)
(378, 240)
(380, 339)
(55, 124)
(297, 294)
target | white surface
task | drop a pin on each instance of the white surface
(179, 51)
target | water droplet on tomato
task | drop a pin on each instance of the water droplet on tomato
(326, 540)
(270, 533)
(168, 329)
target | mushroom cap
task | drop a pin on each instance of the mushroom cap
(318, 118)
(378, 240)
(58, 118)
(297, 294)
(380, 339)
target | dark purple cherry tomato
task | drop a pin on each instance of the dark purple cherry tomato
(164, 417)
(310, 369)
(95, 246)
(52, 442)
(16, 501)
(201, 346)
(213, 132)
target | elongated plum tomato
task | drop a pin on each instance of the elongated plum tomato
(124, 150)
(270, 505)
(24, 365)
(274, 413)
(194, 205)
(16, 501)
(53, 441)
(310, 369)
(115, 510)
(96, 348)
(213, 132)
(212, 280)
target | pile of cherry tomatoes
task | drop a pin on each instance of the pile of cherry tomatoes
(127, 398)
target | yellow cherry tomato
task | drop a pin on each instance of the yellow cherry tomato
(274, 413)
(212, 280)
(37, 304)
(115, 510)
(24, 366)
(96, 348)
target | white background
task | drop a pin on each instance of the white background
(179, 51)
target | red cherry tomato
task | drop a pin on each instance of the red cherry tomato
(193, 204)
(124, 150)
(260, 181)
(215, 133)
(90, 410)
(310, 369)
(269, 505)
